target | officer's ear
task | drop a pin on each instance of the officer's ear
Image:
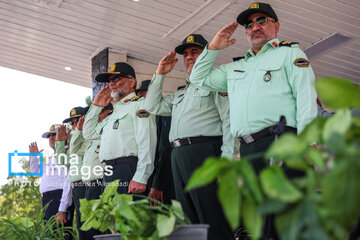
(277, 26)
(132, 83)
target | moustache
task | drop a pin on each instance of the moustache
(256, 32)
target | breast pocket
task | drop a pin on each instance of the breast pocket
(200, 98)
(177, 99)
(270, 75)
(235, 79)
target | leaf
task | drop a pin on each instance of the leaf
(207, 172)
(339, 123)
(271, 206)
(165, 225)
(252, 220)
(342, 192)
(124, 209)
(109, 190)
(277, 186)
(288, 145)
(316, 158)
(338, 92)
(177, 210)
(86, 208)
(231, 205)
(250, 179)
(312, 132)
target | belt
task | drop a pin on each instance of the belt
(115, 161)
(261, 134)
(51, 192)
(192, 140)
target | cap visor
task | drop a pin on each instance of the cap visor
(47, 134)
(242, 18)
(69, 119)
(180, 49)
(104, 77)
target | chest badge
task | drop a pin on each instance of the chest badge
(97, 150)
(116, 124)
(267, 76)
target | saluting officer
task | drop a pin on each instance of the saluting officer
(273, 78)
(128, 135)
(199, 129)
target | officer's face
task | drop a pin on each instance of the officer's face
(121, 86)
(190, 55)
(52, 140)
(258, 34)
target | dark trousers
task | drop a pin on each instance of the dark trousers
(78, 192)
(53, 198)
(93, 191)
(201, 205)
(258, 163)
(124, 171)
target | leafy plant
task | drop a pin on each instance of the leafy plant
(26, 228)
(324, 204)
(134, 219)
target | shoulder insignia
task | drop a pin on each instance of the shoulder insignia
(287, 43)
(142, 113)
(223, 94)
(301, 62)
(237, 58)
(181, 87)
(133, 99)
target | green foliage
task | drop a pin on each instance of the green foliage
(20, 196)
(134, 219)
(321, 205)
(26, 228)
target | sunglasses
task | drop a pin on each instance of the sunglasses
(259, 20)
(117, 78)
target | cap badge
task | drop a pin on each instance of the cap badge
(112, 69)
(254, 5)
(190, 39)
(73, 112)
(52, 128)
(267, 76)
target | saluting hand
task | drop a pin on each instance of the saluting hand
(103, 97)
(222, 37)
(61, 134)
(33, 148)
(136, 187)
(167, 63)
(80, 123)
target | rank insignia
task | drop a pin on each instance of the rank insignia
(142, 113)
(116, 124)
(301, 62)
(97, 150)
(223, 94)
(275, 44)
(267, 76)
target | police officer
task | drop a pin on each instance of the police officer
(272, 79)
(73, 162)
(199, 129)
(128, 135)
(162, 185)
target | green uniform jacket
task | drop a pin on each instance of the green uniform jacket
(254, 102)
(89, 151)
(72, 161)
(195, 112)
(129, 131)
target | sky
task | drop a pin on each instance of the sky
(30, 104)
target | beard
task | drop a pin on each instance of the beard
(117, 95)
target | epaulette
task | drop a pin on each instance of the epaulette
(287, 43)
(181, 87)
(133, 99)
(238, 58)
